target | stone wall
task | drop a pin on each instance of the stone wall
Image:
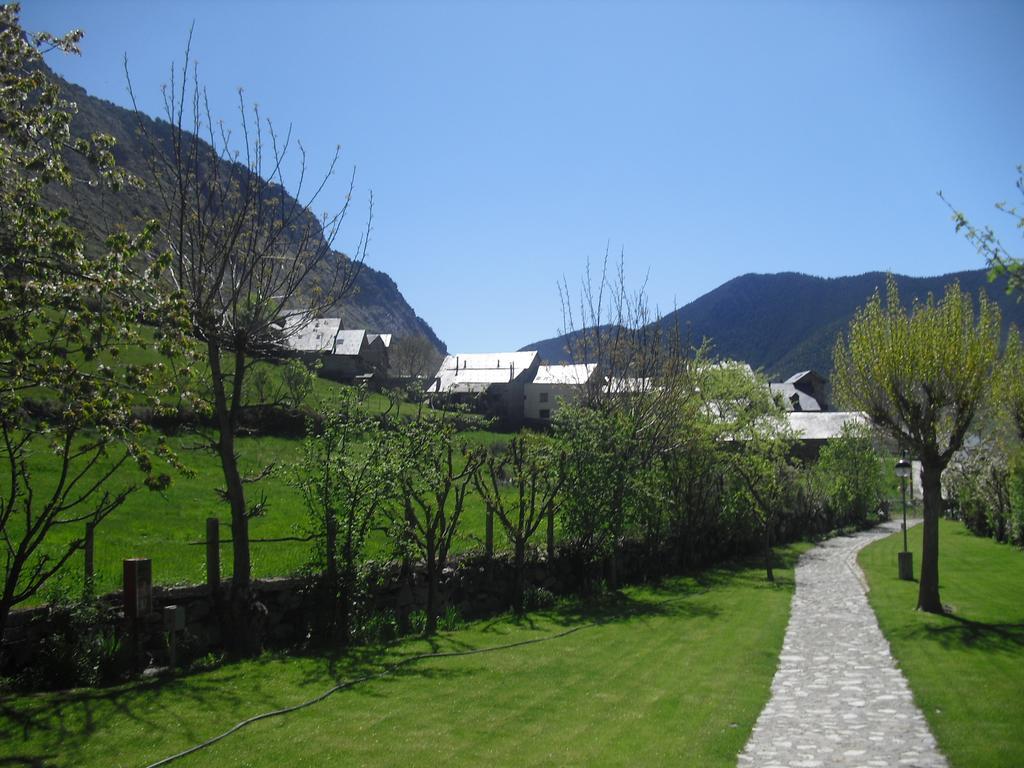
(473, 584)
(289, 608)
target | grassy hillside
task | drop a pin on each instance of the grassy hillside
(161, 525)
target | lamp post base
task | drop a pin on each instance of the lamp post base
(906, 562)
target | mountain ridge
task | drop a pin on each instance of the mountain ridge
(785, 322)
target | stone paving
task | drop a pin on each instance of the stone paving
(838, 698)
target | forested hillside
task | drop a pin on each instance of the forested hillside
(788, 322)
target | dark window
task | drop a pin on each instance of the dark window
(543, 397)
(545, 413)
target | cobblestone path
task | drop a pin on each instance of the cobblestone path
(837, 697)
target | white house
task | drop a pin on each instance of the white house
(552, 386)
(345, 354)
(493, 381)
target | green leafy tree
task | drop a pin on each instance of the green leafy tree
(65, 318)
(520, 487)
(850, 475)
(627, 419)
(755, 442)
(347, 474)
(921, 376)
(596, 444)
(1011, 382)
(437, 475)
(246, 256)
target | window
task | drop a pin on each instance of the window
(543, 397)
(545, 413)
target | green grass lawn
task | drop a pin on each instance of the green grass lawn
(966, 669)
(670, 675)
(162, 525)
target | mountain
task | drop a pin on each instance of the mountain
(788, 322)
(376, 302)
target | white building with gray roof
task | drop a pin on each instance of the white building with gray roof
(493, 382)
(554, 385)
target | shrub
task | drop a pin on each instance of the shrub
(980, 486)
(849, 474)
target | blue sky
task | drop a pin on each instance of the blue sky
(505, 144)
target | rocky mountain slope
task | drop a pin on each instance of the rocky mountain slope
(376, 304)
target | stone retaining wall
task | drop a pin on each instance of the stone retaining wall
(473, 584)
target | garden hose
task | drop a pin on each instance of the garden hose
(389, 670)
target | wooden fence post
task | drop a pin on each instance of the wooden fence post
(90, 551)
(213, 554)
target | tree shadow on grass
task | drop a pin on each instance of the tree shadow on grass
(958, 632)
(37, 761)
(70, 718)
(66, 720)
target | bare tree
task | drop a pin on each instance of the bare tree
(437, 474)
(629, 415)
(246, 254)
(414, 356)
(533, 472)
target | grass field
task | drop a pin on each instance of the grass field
(669, 675)
(162, 525)
(966, 669)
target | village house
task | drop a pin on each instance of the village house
(813, 429)
(804, 391)
(493, 383)
(552, 386)
(344, 354)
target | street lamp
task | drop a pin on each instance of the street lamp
(906, 558)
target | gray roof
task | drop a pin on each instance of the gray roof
(788, 391)
(823, 425)
(577, 374)
(385, 338)
(476, 372)
(349, 342)
(304, 335)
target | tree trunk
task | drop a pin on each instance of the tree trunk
(241, 561)
(431, 625)
(5, 611)
(928, 589)
(242, 636)
(517, 583)
(769, 573)
(332, 584)
(345, 603)
(613, 569)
